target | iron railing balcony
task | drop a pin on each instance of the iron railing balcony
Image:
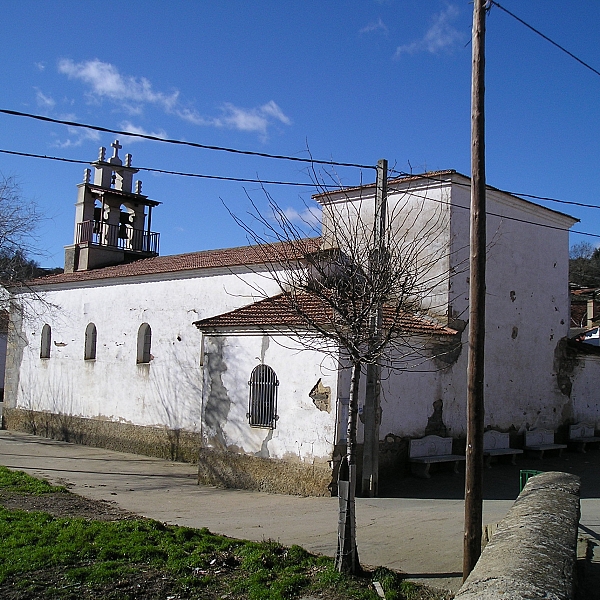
(124, 237)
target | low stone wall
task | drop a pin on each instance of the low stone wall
(223, 469)
(242, 471)
(123, 437)
(532, 554)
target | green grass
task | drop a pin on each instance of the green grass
(52, 557)
(21, 483)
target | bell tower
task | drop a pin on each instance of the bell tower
(111, 223)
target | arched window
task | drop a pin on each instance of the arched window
(262, 406)
(46, 341)
(144, 343)
(125, 222)
(89, 352)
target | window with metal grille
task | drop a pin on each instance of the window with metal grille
(144, 343)
(262, 406)
(46, 341)
(89, 352)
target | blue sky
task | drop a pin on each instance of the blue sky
(352, 81)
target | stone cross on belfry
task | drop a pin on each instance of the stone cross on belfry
(115, 160)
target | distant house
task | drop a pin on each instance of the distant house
(585, 307)
(194, 356)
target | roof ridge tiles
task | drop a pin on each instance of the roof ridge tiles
(203, 259)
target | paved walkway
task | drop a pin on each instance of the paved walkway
(417, 527)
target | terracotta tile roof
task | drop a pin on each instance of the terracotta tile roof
(227, 257)
(278, 312)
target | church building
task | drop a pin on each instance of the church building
(194, 357)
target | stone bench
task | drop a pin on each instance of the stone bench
(431, 449)
(582, 434)
(496, 443)
(532, 553)
(540, 440)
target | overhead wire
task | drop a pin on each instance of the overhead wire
(155, 138)
(505, 217)
(179, 173)
(287, 183)
(430, 176)
(521, 194)
(538, 32)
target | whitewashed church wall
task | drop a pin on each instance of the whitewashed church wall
(585, 391)
(419, 220)
(166, 392)
(527, 314)
(305, 429)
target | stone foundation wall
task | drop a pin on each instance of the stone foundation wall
(224, 469)
(228, 469)
(122, 437)
(532, 554)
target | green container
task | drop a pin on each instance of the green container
(524, 476)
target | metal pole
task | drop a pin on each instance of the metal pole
(372, 406)
(475, 368)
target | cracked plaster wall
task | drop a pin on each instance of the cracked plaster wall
(166, 393)
(527, 314)
(303, 432)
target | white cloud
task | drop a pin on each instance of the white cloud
(132, 93)
(128, 126)
(192, 116)
(44, 101)
(105, 80)
(271, 109)
(40, 66)
(442, 35)
(77, 136)
(378, 25)
(251, 119)
(311, 216)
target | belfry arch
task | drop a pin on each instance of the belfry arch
(112, 216)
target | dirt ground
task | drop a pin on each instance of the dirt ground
(66, 505)
(144, 583)
(49, 583)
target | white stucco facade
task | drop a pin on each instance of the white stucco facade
(196, 380)
(167, 392)
(305, 430)
(527, 306)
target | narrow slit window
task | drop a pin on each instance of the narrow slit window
(144, 344)
(90, 342)
(262, 406)
(46, 341)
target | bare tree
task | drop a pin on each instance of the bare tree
(584, 265)
(19, 220)
(358, 291)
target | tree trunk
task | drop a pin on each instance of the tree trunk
(346, 560)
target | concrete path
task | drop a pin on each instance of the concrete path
(416, 528)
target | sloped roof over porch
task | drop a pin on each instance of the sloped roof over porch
(279, 311)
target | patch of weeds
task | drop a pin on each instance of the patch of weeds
(46, 557)
(100, 572)
(21, 483)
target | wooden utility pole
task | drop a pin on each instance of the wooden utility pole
(475, 368)
(372, 405)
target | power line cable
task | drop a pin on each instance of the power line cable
(155, 138)
(521, 194)
(562, 48)
(182, 174)
(505, 217)
(288, 183)
(418, 176)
